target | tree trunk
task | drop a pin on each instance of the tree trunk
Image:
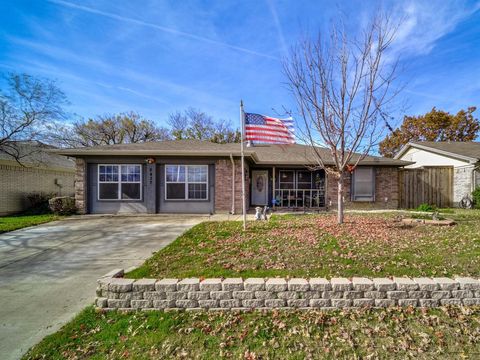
(340, 199)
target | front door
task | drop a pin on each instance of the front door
(259, 187)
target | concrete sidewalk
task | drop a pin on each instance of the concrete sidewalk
(48, 272)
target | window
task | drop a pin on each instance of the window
(186, 182)
(363, 184)
(304, 180)
(119, 182)
(287, 179)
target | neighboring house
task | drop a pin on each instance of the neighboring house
(203, 177)
(463, 157)
(37, 171)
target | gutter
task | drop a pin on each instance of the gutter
(233, 185)
(251, 154)
(83, 153)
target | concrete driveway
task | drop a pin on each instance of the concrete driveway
(48, 272)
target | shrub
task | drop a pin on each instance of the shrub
(426, 207)
(38, 203)
(62, 205)
(476, 198)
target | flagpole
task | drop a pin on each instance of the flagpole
(242, 124)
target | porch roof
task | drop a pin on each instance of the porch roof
(296, 154)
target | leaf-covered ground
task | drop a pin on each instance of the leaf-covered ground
(315, 245)
(446, 333)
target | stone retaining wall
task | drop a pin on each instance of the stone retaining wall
(257, 293)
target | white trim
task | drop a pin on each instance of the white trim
(186, 182)
(119, 182)
(433, 150)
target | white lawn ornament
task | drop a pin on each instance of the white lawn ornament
(258, 213)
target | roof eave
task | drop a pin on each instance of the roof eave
(34, 165)
(83, 153)
(398, 163)
(470, 159)
(402, 151)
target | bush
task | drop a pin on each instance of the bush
(476, 198)
(426, 207)
(38, 203)
(62, 205)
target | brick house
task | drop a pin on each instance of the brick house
(202, 177)
(38, 171)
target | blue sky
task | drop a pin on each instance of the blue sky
(156, 57)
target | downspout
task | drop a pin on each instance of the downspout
(474, 178)
(233, 185)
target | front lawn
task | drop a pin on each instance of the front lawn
(314, 245)
(371, 333)
(15, 222)
(310, 245)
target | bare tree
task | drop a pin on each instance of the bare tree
(27, 105)
(195, 124)
(343, 87)
(121, 128)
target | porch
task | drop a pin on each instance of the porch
(288, 188)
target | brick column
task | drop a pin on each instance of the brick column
(80, 185)
(223, 186)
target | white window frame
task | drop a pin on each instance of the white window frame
(186, 182)
(362, 197)
(119, 182)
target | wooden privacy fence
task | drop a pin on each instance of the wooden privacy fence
(427, 185)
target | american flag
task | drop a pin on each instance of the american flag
(265, 129)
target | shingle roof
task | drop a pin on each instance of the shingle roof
(470, 149)
(37, 154)
(302, 154)
(296, 154)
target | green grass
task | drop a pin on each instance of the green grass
(371, 333)
(310, 245)
(314, 245)
(15, 222)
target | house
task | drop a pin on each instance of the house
(202, 177)
(37, 171)
(462, 157)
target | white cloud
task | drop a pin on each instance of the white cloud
(423, 23)
(160, 28)
(278, 26)
(130, 77)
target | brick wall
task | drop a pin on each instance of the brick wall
(386, 187)
(223, 186)
(80, 185)
(259, 293)
(16, 182)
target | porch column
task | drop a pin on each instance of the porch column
(273, 189)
